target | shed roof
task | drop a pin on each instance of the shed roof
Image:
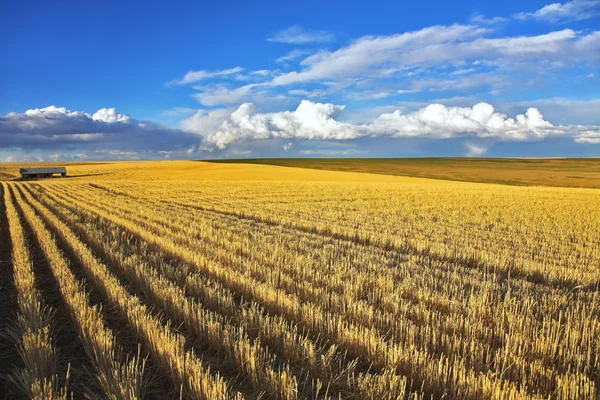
(48, 170)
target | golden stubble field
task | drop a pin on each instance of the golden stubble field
(214, 281)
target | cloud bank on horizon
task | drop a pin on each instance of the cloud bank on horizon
(462, 83)
(106, 134)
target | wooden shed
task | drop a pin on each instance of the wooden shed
(48, 172)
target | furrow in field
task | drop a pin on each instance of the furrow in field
(500, 356)
(249, 357)
(533, 345)
(73, 360)
(412, 240)
(167, 347)
(118, 380)
(468, 254)
(331, 371)
(9, 352)
(331, 302)
(320, 240)
(534, 290)
(272, 299)
(39, 378)
(334, 204)
(319, 286)
(433, 374)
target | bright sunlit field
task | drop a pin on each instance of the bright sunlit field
(214, 281)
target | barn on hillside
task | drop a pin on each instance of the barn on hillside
(32, 173)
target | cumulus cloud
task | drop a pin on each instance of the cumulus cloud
(309, 121)
(204, 121)
(196, 76)
(563, 110)
(482, 120)
(297, 35)
(65, 134)
(571, 10)
(321, 121)
(59, 128)
(110, 115)
(51, 112)
(588, 136)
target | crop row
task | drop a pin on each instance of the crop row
(308, 290)
(528, 352)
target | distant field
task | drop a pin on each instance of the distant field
(237, 281)
(573, 172)
(10, 171)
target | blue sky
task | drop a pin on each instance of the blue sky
(134, 80)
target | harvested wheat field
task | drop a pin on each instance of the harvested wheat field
(214, 281)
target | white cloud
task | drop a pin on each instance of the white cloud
(309, 121)
(288, 146)
(563, 110)
(480, 19)
(255, 76)
(369, 95)
(475, 150)
(463, 71)
(110, 115)
(465, 59)
(196, 76)
(261, 72)
(204, 121)
(320, 121)
(482, 120)
(221, 95)
(52, 112)
(368, 52)
(57, 128)
(588, 136)
(292, 55)
(443, 46)
(297, 35)
(571, 10)
(306, 93)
